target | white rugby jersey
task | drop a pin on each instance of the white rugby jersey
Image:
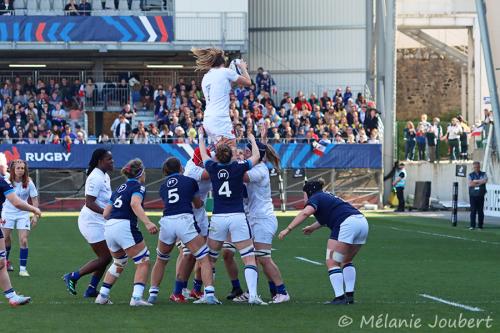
(23, 194)
(193, 171)
(98, 185)
(260, 203)
(216, 85)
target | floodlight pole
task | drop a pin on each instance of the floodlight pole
(490, 69)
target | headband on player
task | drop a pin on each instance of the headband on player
(140, 173)
(262, 149)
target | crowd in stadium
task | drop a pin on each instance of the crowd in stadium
(50, 112)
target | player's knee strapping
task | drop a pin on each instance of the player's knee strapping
(117, 266)
(229, 247)
(186, 251)
(247, 251)
(263, 253)
(213, 253)
(142, 256)
(334, 255)
(3, 254)
(201, 253)
(162, 256)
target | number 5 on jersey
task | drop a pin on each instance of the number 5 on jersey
(173, 196)
(224, 190)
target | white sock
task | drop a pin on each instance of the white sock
(349, 273)
(104, 291)
(154, 290)
(337, 280)
(10, 293)
(209, 290)
(138, 290)
(22, 268)
(251, 277)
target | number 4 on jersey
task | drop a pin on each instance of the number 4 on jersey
(224, 190)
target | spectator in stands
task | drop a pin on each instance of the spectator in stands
(147, 93)
(421, 142)
(154, 135)
(128, 112)
(68, 133)
(464, 139)
(6, 7)
(324, 101)
(433, 134)
(58, 115)
(374, 137)
(104, 139)
(71, 8)
(361, 137)
(65, 91)
(90, 92)
(84, 8)
(141, 137)
(122, 130)
(80, 139)
(29, 86)
(453, 136)
(78, 129)
(409, 135)
(371, 121)
(55, 98)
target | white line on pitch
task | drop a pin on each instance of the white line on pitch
(445, 236)
(310, 261)
(458, 305)
(273, 249)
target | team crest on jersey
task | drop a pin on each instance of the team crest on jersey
(143, 188)
(172, 182)
(122, 188)
(223, 174)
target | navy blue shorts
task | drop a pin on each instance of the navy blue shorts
(335, 233)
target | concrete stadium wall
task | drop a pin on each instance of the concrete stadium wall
(441, 176)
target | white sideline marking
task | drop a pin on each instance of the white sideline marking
(273, 249)
(458, 305)
(310, 261)
(446, 236)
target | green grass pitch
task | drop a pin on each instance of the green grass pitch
(404, 257)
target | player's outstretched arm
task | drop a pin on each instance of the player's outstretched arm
(136, 204)
(303, 215)
(255, 150)
(21, 205)
(203, 147)
(244, 79)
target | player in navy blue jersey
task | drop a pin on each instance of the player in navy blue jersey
(7, 192)
(228, 216)
(349, 230)
(122, 235)
(179, 194)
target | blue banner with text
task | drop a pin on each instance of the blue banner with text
(293, 156)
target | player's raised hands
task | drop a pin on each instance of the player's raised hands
(243, 65)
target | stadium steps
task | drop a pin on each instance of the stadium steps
(146, 116)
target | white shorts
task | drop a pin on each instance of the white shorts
(234, 225)
(91, 225)
(19, 222)
(181, 226)
(354, 230)
(121, 234)
(201, 218)
(216, 130)
(264, 228)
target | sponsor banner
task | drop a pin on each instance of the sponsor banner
(293, 156)
(44, 29)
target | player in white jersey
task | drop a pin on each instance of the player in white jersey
(262, 219)
(14, 218)
(216, 85)
(91, 221)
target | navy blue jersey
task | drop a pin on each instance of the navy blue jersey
(5, 189)
(177, 193)
(330, 209)
(227, 185)
(122, 198)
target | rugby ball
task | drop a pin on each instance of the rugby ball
(234, 66)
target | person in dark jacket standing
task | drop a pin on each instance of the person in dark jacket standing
(399, 183)
(477, 190)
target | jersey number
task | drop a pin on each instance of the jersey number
(173, 197)
(118, 202)
(224, 189)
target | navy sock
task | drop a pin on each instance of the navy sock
(75, 276)
(236, 284)
(23, 257)
(178, 287)
(281, 289)
(94, 281)
(272, 288)
(184, 284)
(197, 285)
(7, 249)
